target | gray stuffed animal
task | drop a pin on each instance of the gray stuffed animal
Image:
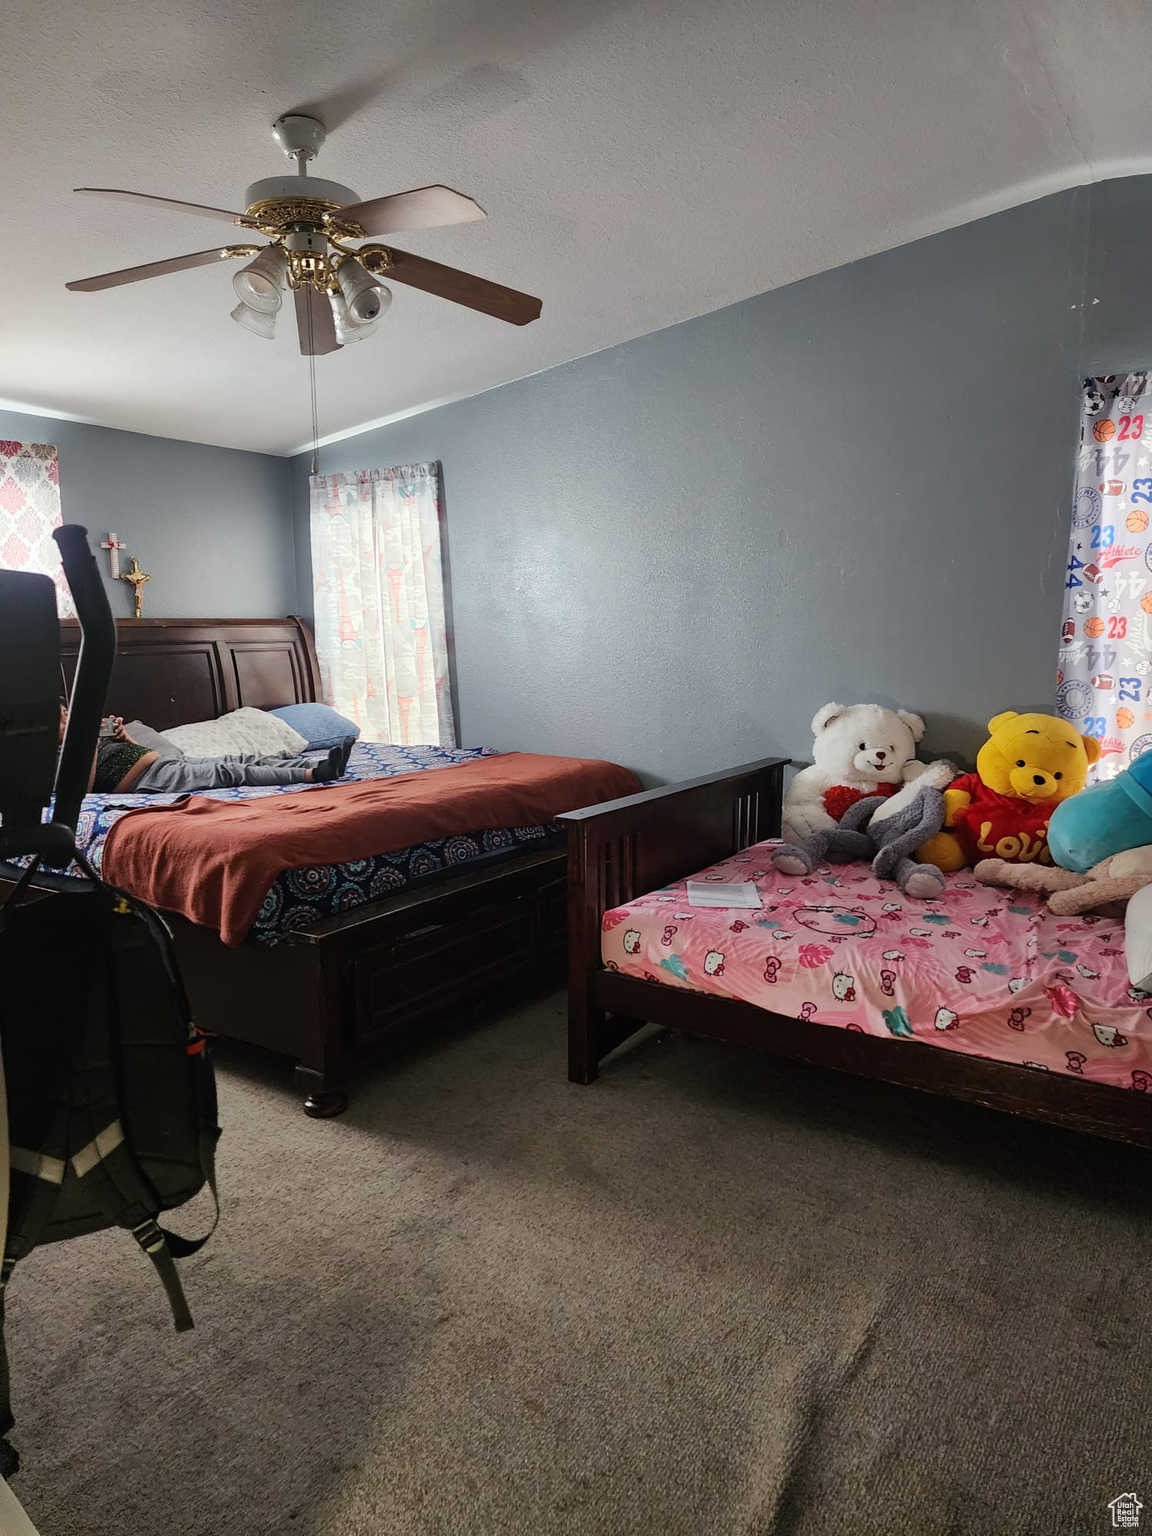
(885, 832)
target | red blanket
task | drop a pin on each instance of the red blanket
(214, 861)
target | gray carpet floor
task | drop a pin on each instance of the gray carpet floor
(712, 1294)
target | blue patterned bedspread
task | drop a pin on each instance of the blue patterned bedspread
(301, 898)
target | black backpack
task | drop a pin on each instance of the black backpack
(111, 1096)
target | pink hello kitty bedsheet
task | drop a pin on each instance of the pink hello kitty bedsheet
(984, 971)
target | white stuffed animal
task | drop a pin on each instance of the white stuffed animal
(859, 750)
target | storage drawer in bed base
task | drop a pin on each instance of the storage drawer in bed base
(335, 995)
(425, 971)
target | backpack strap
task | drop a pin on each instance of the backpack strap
(120, 1188)
(32, 1216)
(184, 1247)
(154, 1242)
(104, 1158)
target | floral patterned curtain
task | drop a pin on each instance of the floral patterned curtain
(379, 590)
(29, 510)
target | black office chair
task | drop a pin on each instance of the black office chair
(111, 1096)
(32, 763)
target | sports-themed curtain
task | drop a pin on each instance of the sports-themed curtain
(1106, 643)
(29, 510)
(379, 590)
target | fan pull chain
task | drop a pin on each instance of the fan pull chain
(312, 387)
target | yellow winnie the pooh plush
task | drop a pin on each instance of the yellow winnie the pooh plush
(1026, 767)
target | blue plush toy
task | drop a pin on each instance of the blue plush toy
(1104, 819)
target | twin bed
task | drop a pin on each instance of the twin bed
(983, 995)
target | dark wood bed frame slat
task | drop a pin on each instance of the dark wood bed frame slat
(335, 997)
(624, 848)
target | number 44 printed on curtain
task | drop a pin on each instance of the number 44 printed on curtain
(1106, 641)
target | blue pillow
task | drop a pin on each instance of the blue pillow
(322, 726)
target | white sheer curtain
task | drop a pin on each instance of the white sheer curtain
(379, 591)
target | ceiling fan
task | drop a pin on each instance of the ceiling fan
(338, 288)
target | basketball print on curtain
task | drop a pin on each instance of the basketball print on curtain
(379, 591)
(1103, 680)
(29, 510)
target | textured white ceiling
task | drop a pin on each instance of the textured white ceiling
(641, 161)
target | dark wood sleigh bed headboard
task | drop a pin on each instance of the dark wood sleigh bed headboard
(171, 672)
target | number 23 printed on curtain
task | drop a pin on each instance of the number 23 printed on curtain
(1102, 685)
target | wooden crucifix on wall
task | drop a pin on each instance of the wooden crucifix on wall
(137, 577)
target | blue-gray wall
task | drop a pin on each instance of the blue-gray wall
(673, 552)
(212, 525)
(1118, 293)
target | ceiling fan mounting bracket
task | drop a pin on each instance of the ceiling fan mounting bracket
(300, 137)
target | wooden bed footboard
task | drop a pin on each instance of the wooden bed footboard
(625, 847)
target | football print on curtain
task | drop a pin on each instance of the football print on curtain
(1103, 680)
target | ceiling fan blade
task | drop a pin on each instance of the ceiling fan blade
(462, 288)
(423, 208)
(150, 269)
(164, 202)
(319, 337)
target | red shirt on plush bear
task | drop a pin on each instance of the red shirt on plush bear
(1000, 826)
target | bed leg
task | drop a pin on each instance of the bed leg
(322, 1098)
(585, 1022)
(320, 1074)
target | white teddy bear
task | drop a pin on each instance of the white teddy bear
(859, 750)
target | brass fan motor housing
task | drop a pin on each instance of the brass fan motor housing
(281, 217)
(277, 216)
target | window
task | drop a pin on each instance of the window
(381, 635)
(29, 510)
(1106, 641)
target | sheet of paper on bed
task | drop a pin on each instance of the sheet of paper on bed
(706, 893)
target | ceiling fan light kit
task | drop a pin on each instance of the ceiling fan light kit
(261, 283)
(309, 222)
(347, 329)
(361, 291)
(260, 322)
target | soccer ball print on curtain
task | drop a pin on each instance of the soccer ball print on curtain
(29, 510)
(1106, 641)
(379, 592)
